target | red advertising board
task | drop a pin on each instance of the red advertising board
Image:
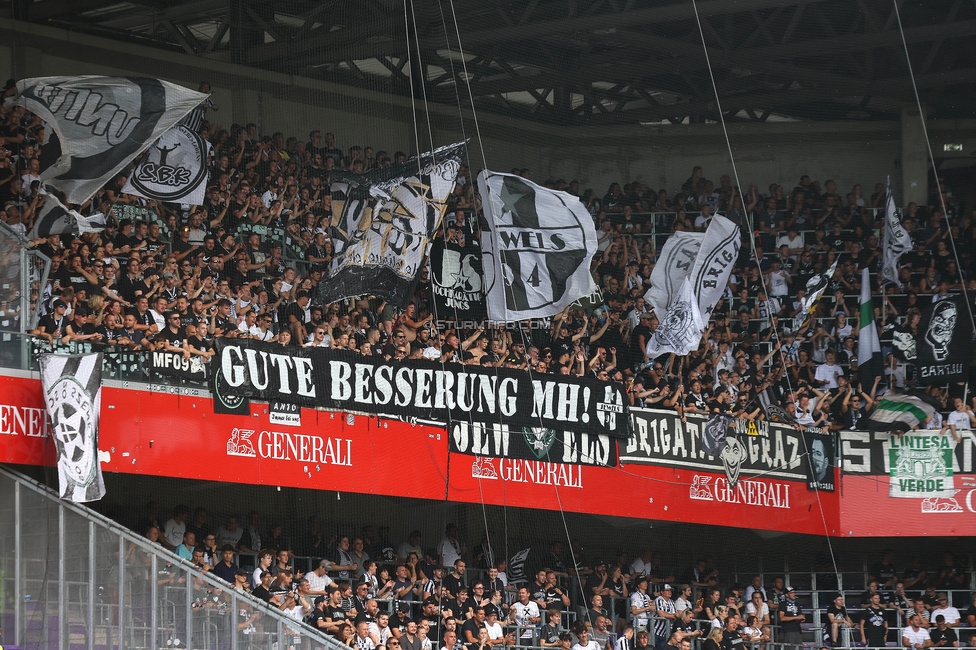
(179, 435)
(643, 491)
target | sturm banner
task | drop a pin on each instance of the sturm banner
(532, 443)
(416, 390)
(751, 448)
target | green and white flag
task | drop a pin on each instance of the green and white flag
(870, 364)
(921, 465)
(899, 412)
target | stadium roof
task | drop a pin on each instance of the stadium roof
(566, 62)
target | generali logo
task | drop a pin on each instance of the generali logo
(300, 447)
(527, 471)
(746, 492)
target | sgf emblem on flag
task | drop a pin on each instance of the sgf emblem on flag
(174, 169)
(538, 250)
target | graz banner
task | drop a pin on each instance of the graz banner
(416, 390)
(532, 443)
(751, 448)
(820, 447)
(174, 364)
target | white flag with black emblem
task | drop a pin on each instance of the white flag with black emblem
(100, 124)
(673, 266)
(174, 169)
(536, 250)
(713, 264)
(72, 386)
(897, 242)
(54, 218)
(681, 328)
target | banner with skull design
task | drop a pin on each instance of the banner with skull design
(383, 223)
(72, 386)
(532, 443)
(945, 337)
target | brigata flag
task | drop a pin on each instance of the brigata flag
(383, 223)
(870, 363)
(55, 218)
(72, 386)
(945, 339)
(536, 249)
(100, 124)
(899, 411)
(174, 169)
(815, 288)
(896, 239)
(706, 258)
(680, 331)
(673, 265)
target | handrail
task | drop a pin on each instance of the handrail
(164, 555)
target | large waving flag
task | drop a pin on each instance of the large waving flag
(100, 124)
(673, 265)
(896, 239)
(536, 249)
(870, 363)
(174, 169)
(899, 412)
(680, 330)
(55, 218)
(383, 223)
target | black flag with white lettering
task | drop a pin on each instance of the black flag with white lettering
(945, 338)
(456, 278)
(100, 124)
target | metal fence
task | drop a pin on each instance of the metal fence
(72, 579)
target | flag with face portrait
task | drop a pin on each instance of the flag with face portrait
(72, 386)
(383, 223)
(944, 345)
(536, 249)
(896, 239)
(174, 169)
(100, 124)
(820, 468)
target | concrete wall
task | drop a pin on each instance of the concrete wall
(661, 156)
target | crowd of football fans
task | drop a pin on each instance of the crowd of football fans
(246, 264)
(373, 591)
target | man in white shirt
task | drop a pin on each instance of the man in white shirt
(914, 636)
(174, 528)
(318, 580)
(950, 613)
(640, 604)
(827, 373)
(961, 416)
(525, 614)
(585, 642)
(450, 548)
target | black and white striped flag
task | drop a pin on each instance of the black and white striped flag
(72, 386)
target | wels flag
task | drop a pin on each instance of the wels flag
(100, 124)
(174, 169)
(72, 386)
(896, 240)
(54, 218)
(681, 328)
(383, 223)
(536, 249)
(870, 364)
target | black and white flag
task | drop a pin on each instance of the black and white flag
(72, 386)
(536, 249)
(673, 265)
(820, 470)
(100, 124)
(680, 331)
(456, 278)
(383, 223)
(815, 288)
(713, 264)
(174, 169)
(896, 239)
(55, 218)
(945, 338)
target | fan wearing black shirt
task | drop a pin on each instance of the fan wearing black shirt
(874, 628)
(942, 635)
